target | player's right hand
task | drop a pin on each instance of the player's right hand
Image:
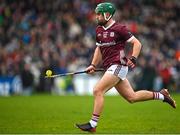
(91, 69)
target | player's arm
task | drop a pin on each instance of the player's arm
(136, 47)
(95, 61)
(136, 51)
(127, 36)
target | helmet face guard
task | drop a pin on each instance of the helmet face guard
(105, 7)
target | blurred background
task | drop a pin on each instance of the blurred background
(36, 35)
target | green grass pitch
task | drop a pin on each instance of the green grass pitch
(46, 114)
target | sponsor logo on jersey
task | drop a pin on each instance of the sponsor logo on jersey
(106, 44)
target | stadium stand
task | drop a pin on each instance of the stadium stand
(60, 35)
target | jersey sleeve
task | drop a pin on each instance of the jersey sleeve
(97, 39)
(125, 34)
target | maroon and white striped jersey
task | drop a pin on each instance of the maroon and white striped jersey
(112, 41)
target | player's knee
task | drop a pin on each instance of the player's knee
(97, 92)
(131, 99)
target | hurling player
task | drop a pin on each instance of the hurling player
(111, 39)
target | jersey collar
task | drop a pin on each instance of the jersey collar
(105, 28)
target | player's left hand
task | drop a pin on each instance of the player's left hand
(132, 62)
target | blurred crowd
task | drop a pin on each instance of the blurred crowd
(36, 35)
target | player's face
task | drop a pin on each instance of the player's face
(100, 19)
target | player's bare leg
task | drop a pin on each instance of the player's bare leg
(106, 82)
(125, 89)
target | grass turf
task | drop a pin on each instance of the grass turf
(58, 114)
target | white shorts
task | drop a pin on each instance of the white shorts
(118, 70)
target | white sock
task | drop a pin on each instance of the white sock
(93, 123)
(158, 96)
(94, 120)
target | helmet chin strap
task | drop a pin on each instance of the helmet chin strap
(105, 17)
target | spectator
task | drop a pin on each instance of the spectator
(27, 80)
